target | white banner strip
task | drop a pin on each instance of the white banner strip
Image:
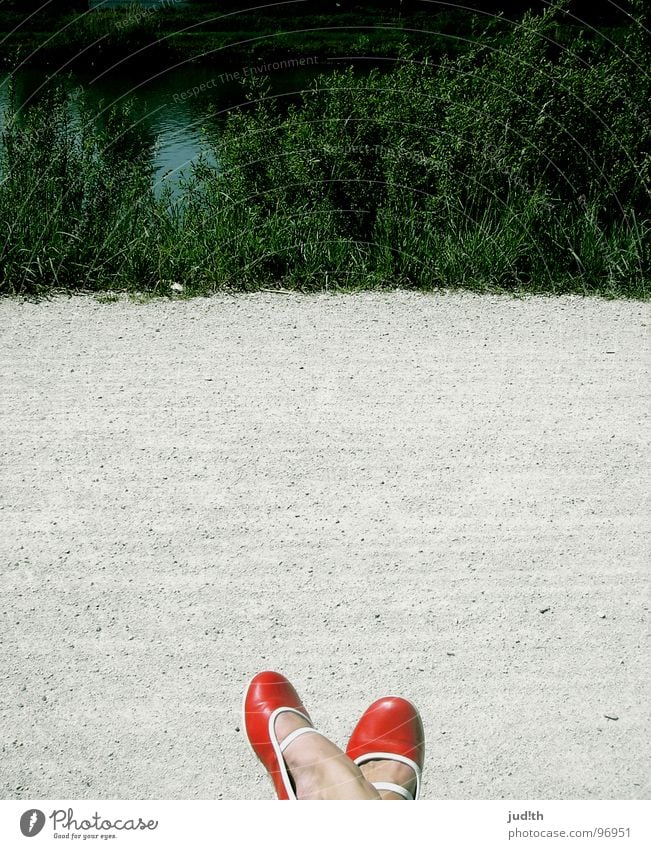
(268, 825)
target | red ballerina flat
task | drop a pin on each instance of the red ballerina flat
(390, 729)
(268, 695)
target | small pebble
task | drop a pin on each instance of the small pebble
(544, 609)
(611, 716)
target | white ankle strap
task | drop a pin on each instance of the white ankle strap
(390, 756)
(276, 714)
(394, 788)
(306, 729)
(278, 747)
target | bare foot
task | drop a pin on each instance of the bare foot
(318, 768)
(393, 771)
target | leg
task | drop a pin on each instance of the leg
(319, 769)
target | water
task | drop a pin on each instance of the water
(174, 106)
(147, 4)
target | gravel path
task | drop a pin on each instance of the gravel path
(435, 495)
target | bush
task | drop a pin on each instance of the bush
(519, 166)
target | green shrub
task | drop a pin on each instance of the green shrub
(520, 166)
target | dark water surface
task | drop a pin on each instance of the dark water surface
(147, 4)
(182, 108)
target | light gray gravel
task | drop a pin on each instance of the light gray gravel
(371, 493)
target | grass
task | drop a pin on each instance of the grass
(515, 167)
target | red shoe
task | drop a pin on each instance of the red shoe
(390, 729)
(268, 695)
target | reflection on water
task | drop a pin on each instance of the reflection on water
(179, 127)
(114, 4)
(174, 107)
